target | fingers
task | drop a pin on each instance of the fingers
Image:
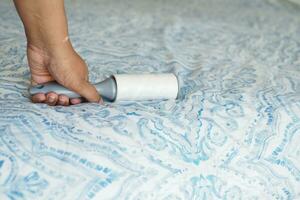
(89, 92)
(38, 98)
(76, 101)
(63, 100)
(52, 98)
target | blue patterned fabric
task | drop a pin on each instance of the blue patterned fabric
(234, 132)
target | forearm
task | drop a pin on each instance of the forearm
(45, 23)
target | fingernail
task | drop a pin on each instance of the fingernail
(101, 102)
(51, 99)
(62, 102)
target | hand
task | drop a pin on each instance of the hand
(50, 53)
(64, 66)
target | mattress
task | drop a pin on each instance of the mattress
(233, 133)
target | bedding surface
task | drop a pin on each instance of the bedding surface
(233, 133)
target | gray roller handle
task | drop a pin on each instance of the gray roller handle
(107, 89)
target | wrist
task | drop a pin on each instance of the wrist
(51, 48)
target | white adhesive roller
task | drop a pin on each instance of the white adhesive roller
(124, 87)
(146, 86)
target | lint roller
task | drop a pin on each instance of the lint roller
(124, 87)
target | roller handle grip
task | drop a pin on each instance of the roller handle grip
(106, 88)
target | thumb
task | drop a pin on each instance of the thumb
(89, 92)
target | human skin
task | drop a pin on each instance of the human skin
(50, 54)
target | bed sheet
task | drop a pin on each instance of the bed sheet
(233, 133)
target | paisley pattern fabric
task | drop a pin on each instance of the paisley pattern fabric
(233, 133)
